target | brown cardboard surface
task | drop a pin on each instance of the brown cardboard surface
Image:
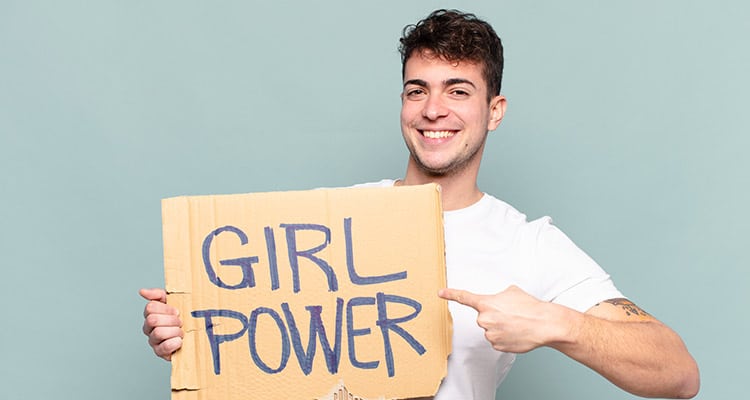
(250, 272)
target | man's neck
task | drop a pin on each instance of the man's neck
(458, 190)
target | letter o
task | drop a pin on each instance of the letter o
(285, 346)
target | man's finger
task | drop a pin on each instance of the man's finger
(166, 348)
(153, 321)
(164, 333)
(155, 307)
(460, 296)
(156, 294)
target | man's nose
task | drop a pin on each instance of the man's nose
(434, 107)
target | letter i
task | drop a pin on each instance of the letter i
(273, 266)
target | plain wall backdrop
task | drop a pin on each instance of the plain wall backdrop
(627, 123)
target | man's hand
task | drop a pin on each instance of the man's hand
(513, 320)
(161, 323)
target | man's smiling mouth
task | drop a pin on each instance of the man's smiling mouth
(437, 134)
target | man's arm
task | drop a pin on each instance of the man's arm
(615, 338)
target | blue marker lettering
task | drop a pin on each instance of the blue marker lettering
(353, 276)
(294, 254)
(216, 340)
(305, 358)
(351, 332)
(252, 324)
(245, 263)
(387, 324)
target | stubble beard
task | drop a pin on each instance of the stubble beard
(454, 167)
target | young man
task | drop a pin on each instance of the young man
(518, 285)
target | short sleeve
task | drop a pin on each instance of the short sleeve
(571, 278)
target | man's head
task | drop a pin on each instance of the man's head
(455, 36)
(450, 99)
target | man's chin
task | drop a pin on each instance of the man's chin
(436, 170)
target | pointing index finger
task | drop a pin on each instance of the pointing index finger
(460, 296)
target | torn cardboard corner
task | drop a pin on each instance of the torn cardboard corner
(340, 392)
(287, 295)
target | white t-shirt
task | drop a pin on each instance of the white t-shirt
(490, 246)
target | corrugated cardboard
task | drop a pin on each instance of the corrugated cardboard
(250, 272)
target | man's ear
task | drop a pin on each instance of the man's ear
(497, 111)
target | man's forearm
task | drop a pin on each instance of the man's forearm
(645, 358)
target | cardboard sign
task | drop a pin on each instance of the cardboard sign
(308, 295)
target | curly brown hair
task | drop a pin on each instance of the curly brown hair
(456, 36)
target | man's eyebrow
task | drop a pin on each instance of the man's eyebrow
(448, 82)
(456, 81)
(417, 82)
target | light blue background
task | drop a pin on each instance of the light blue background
(627, 123)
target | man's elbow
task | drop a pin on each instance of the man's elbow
(679, 381)
(690, 382)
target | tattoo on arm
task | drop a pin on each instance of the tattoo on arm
(628, 306)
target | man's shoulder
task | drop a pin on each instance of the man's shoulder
(500, 209)
(500, 213)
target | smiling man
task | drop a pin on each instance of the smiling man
(516, 285)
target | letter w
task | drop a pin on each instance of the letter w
(305, 358)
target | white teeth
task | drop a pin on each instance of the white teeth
(437, 134)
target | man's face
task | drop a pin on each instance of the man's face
(445, 115)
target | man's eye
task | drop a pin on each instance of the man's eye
(414, 92)
(460, 92)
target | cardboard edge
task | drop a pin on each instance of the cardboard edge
(178, 284)
(448, 333)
